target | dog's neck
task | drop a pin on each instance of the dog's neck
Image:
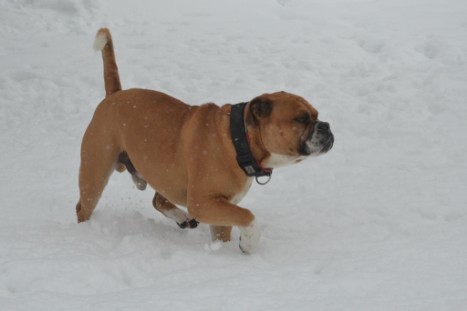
(245, 159)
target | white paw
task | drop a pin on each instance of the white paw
(176, 215)
(182, 219)
(249, 237)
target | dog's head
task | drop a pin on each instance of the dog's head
(288, 127)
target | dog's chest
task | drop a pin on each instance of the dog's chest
(240, 195)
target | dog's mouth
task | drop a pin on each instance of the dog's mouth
(328, 143)
(320, 141)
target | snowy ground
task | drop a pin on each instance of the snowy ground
(380, 223)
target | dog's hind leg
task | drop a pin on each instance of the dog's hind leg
(171, 211)
(98, 160)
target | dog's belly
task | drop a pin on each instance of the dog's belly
(165, 174)
(149, 127)
(159, 162)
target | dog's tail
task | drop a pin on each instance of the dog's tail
(103, 42)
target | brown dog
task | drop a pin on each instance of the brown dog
(202, 157)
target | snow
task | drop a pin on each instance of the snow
(379, 223)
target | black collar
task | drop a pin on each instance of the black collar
(245, 158)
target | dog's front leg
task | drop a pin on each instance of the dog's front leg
(220, 233)
(219, 212)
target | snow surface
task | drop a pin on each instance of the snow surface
(379, 223)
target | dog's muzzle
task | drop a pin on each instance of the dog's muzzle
(320, 140)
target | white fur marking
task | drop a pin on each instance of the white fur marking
(277, 160)
(100, 41)
(249, 237)
(177, 215)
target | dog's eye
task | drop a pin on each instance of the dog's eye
(305, 119)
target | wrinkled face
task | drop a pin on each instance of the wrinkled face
(290, 128)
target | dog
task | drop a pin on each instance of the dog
(202, 157)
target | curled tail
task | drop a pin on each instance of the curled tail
(103, 43)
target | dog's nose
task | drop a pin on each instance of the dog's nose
(323, 126)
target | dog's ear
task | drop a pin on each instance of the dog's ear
(259, 107)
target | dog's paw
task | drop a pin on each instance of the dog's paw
(181, 218)
(191, 224)
(249, 237)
